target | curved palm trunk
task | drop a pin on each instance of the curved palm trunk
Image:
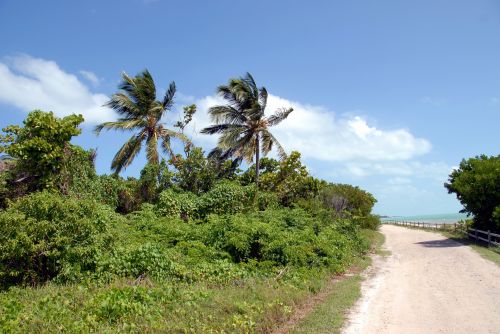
(257, 166)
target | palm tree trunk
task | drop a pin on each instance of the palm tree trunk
(257, 170)
(257, 161)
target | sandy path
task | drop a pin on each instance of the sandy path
(429, 284)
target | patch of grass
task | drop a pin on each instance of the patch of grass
(377, 240)
(330, 315)
(150, 307)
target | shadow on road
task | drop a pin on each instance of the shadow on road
(440, 243)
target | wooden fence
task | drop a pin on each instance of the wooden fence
(492, 239)
(437, 226)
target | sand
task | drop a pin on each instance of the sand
(429, 284)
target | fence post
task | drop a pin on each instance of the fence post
(475, 234)
(489, 238)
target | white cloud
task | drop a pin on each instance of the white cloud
(437, 171)
(318, 134)
(90, 76)
(32, 83)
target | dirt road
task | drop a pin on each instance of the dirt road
(429, 284)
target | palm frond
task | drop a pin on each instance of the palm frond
(250, 83)
(171, 133)
(140, 89)
(255, 112)
(165, 145)
(241, 144)
(231, 137)
(127, 84)
(279, 115)
(228, 94)
(263, 98)
(227, 114)
(123, 105)
(127, 153)
(147, 85)
(268, 141)
(168, 99)
(122, 124)
(221, 128)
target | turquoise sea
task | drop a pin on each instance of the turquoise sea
(446, 218)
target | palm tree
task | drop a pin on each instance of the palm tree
(242, 124)
(140, 112)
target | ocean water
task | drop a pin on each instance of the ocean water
(446, 218)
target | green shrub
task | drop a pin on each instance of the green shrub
(40, 146)
(148, 259)
(265, 199)
(44, 235)
(78, 178)
(371, 222)
(224, 198)
(112, 305)
(174, 204)
(346, 200)
(283, 237)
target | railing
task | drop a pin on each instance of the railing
(440, 226)
(492, 239)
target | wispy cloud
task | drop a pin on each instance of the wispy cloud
(90, 76)
(437, 171)
(33, 83)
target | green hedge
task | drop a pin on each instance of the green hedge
(45, 236)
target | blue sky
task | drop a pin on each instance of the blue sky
(389, 95)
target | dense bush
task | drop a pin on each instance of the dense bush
(224, 198)
(267, 200)
(44, 235)
(148, 259)
(177, 204)
(288, 179)
(282, 237)
(476, 182)
(345, 198)
(370, 221)
(39, 146)
(195, 173)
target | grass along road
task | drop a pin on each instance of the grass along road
(429, 284)
(326, 312)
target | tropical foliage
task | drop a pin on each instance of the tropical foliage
(476, 182)
(185, 247)
(242, 123)
(140, 112)
(39, 147)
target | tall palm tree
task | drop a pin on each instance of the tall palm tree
(140, 112)
(242, 124)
